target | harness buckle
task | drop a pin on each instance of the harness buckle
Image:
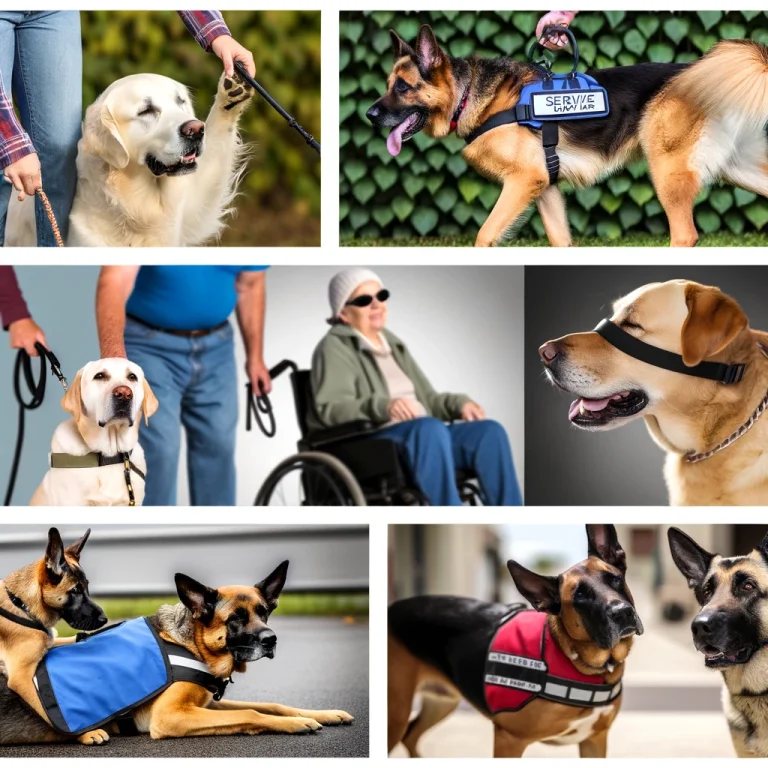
(221, 686)
(733, 374)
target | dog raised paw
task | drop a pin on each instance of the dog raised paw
(91, 738)
(234, 92)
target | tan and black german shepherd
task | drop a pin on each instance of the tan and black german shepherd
(39, 595)
(731, 631)
(695, 123)
(225, 628)
(438, 647)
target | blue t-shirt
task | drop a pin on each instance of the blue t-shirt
(185, 298)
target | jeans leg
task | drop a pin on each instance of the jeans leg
(426, 444)
(483, 446)
(7, 53)
(209, 416)
(48, 84)
(162, 359)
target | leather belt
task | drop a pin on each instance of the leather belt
(177, 332)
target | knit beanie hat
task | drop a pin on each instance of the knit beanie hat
(343, 285)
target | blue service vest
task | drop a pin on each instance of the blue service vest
(110, 672)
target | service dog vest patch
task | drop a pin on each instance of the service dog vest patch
(110, 672)
(524, 663)
(570, 97)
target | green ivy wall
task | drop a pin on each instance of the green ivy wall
(428, 189)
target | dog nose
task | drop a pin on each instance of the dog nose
(373, 113)
(193, 129)
(707, 623)
(619, 610)
(122, 393)
(548, 352)
(267, 639)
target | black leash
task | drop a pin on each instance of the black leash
(272, 103)
(261, 404)
(37, 392)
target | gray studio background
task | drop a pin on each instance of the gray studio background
(464, 326)
(565, 465)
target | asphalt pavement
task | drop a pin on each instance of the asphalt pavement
(321, 663)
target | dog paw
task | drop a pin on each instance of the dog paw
(234, 92)
(328, 716)
(94, 737)
(299, 725)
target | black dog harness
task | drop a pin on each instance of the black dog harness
(92, 460)
(548, 101)
(30, 623)
(661, 358)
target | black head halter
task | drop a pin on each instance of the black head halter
(661, 358)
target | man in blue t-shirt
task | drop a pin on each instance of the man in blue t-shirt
(174, 322)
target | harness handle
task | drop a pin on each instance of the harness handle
(534, 49)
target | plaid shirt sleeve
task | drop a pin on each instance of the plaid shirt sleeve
(12, 304)
(14, 141)
(204, 26)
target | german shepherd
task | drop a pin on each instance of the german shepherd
(438, 646)
(731, 631)
(695, 124)
(53, 588)
(224, 628)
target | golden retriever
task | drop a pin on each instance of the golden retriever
(685, 415)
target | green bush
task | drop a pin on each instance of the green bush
(428, 188)
(284, 172)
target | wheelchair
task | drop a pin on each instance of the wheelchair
(345, 465)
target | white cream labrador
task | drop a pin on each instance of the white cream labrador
(106, 401)
(149, 173)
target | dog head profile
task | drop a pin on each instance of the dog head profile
(731, 625)
(147, 120)
(229, 624)
(698, 322)
(110, 392)
(591, 599)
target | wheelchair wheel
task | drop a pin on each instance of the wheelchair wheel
(312, 479)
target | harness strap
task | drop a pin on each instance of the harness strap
(186, 667)
(25, 621)
(92, 460)
(661, 358)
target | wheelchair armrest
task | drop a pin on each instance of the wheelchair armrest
(341, 432)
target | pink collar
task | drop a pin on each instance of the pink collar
(459, 110)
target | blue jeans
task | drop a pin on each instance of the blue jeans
(41, 60)
(195, 382)
(433, 451)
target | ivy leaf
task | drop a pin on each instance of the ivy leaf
(721, 199)
(355, 170)
(676, 28)
(609, 45)
(364, 190)
(709, 18)
(470, 188)
(647, 24)
(402, 207)
(661, 52)
(757, 213)
(634, 41)
(588, 197)
(707, 220)
(609, 230)
(424, 220)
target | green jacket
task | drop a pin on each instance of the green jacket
(348, 386)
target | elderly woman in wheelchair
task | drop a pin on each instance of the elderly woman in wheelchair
(361, 371)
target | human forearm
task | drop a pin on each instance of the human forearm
(112, 292)
(250, 311)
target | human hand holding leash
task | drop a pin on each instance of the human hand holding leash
(24, 175)
(230, 51)
(24, 334)
(556, 40)
(258, 375)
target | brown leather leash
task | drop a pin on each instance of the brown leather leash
(51, 218)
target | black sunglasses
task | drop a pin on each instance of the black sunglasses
(365, 299)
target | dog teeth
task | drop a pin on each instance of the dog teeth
(609, 667)
(582, 409)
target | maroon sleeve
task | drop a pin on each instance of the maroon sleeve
(12, 304)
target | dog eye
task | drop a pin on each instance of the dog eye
(401, 86)
(749, 585)
(150, 109)
(132, 377)
(98, 376)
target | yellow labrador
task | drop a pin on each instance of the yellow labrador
(88, 451)
(713, 433)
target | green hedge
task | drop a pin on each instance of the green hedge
(286, 47)
(428, 188)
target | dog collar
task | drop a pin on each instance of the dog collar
(91, 460)
(459, 110)
(695, 458)
(31, 622)
(661, 358)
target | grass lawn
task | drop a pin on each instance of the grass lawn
(352, 604)
(640, 240)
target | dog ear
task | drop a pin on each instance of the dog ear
(427, 49)
(76, 548)
(149, 404)
(72, 402)
(542, 592)
(101, 135)
(399, 47)
(714, 321)
(602, 542)
(54, 556)
(200, 600)
(692, 561)
(272, 586)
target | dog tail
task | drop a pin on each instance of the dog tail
(730, 81)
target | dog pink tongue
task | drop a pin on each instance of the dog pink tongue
(588, 405)
(395, 138)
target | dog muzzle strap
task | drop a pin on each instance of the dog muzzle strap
(625, 342)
